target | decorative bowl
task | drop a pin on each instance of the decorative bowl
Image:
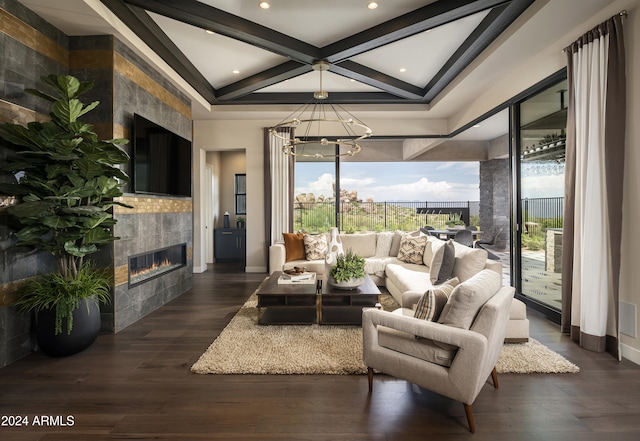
(346, 284)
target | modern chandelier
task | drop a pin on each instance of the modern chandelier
(320, 122)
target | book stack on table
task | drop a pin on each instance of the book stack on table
(306, 278)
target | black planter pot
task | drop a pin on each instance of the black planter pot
(85, 329)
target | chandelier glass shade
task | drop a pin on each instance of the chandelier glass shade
(321, 123)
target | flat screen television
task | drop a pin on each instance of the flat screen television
(161, 160)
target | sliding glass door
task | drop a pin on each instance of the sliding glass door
(541, 123)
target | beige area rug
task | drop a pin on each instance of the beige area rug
(244, 347)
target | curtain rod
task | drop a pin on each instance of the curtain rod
(622, 14)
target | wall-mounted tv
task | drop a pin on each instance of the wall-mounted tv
(161, 160)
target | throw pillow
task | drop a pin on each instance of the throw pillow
(294, 246)
(315, 246)
(412, 249)
(468, 297)
(448, 261)
(432, 302)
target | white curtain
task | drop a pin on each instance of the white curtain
(278, 189)
(594, 155)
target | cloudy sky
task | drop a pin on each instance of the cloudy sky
(415, 181)
(394, 181)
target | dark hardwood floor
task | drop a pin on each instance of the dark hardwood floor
(137, 385)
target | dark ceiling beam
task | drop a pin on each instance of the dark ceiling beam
(335, 97)
(377, 79)
(494, 24)
(422, 19)
(206, 17)
(139, 21)
(266, 78)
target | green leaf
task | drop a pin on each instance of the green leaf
(31, 209)
(89, 108)
(57, 222)
(74, 250)
(67, 111)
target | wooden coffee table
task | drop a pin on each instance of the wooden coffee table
(320, 303)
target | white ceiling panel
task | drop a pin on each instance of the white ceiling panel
(422, 55)
(217, 56)
(318, 22)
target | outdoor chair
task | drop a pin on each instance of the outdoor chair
(464, 237)
(488, 240)
(428, 230)
(452, 361)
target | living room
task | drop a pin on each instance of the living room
(239, 128)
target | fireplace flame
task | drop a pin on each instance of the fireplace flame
(153, 268)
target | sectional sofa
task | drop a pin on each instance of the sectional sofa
(404, 263)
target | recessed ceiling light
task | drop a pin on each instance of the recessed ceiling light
(235, 71)
(209, 31)
(372, 5)
(264, 5)
(403, 69)
(476, 126)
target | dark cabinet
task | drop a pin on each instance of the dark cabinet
(230, 244)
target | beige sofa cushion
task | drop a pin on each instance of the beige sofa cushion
(468, 261)
(362, 244)
(468, 297)
(395, 243)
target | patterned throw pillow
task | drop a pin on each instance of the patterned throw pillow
(412, 248)
(315, 246)
(432, 302)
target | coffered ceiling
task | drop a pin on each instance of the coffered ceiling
(423, 57)
(404, 51)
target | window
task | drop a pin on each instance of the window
(241, 194)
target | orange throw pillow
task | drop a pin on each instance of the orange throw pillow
(294, 246)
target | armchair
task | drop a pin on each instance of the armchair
(451, 361)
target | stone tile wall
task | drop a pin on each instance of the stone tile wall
(124, 84)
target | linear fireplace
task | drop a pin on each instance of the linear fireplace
(146, 266)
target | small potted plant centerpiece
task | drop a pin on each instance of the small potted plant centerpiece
(348, 271)
(65, 182)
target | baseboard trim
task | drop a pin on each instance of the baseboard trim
(199, 269)
(631, 354)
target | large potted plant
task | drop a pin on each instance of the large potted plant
(65, 183)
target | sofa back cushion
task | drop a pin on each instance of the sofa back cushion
(294, 246)
(468, 261)
(395, 243)
(362, 244)
(383, 244)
